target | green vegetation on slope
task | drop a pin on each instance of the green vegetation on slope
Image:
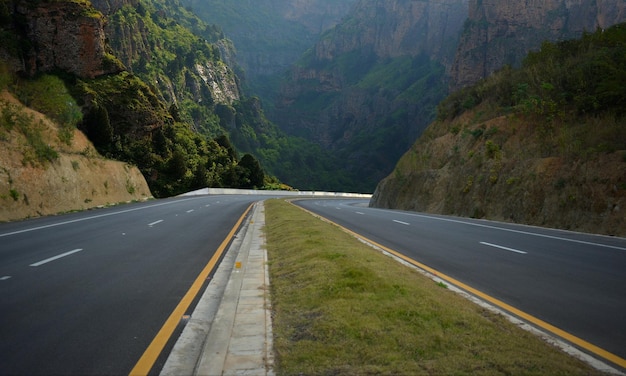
(569, 78)
(341, 307)
(129, 120)
(173, 67)
(154, 43)
(544, 144)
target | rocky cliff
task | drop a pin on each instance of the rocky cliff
(137, 32)
(126, 118)
(270, 35)
(397, 28)
(497, 33)
(62, 36)
(48, 166)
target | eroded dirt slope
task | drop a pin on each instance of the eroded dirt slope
(72, 177)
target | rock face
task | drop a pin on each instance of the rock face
(270, 35)
(65, 36)
(207, 80)
(398, 28)
(503, 32)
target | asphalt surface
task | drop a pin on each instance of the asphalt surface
(86, 293)
(573, 281)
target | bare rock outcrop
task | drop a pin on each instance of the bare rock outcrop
(498, 33)
(66, 36)
(398, 28)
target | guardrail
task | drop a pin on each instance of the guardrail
(232, 191)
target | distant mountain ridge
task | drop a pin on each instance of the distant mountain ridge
(371, 84)
(270, 35)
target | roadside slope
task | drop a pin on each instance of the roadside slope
(42, 175)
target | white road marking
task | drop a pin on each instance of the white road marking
(190, 211)
(402, 223)
(207, 205)
(155, 223)
(56, 257)
(359, 213)
(520, 232)
(5, 278)
(505, 248)
(90, 218)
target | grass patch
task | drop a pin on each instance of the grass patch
(341, 307)
(38, 151)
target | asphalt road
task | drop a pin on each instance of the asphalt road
(576, 282)
(86, 293)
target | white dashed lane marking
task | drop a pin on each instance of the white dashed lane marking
(55, 257)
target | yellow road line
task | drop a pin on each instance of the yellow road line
(538, 322)
(153, 351)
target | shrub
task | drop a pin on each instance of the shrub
(48, 95)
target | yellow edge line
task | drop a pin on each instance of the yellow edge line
(540, 323)
(149, 357)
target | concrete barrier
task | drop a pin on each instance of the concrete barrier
(232, 191)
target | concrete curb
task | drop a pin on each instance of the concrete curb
(230, 330)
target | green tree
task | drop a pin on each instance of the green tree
(224, 142)
(97, 126)
(178, 164)
(253, 173)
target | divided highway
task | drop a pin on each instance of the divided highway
(575, 282)
(86, 293)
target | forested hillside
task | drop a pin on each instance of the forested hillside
(166, 44)
(544, 144)
(150, 116)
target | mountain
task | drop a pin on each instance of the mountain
(157, 106)
(370, 85)
(497, 33)
(543, 145)
(270, 35)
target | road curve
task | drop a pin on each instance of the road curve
(572, 281)
(85, 293)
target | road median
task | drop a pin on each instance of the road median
(341, 307)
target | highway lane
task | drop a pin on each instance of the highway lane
(573, 281)
(86, 293)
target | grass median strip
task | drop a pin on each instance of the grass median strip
(341, 307)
